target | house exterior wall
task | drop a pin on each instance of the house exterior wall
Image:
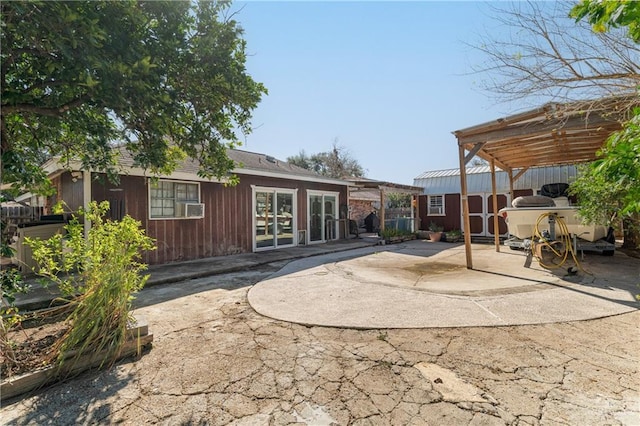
(226, 227)
(67, 190)
(451, 219)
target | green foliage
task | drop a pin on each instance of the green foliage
(393, 232)
(608, 188)
(434, 227)
(104, 270)
(603, 15)
(336, 163)
(398, 200)
(12, 284)
(10, 279)
(164, 79)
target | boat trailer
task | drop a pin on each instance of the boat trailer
(548, 238)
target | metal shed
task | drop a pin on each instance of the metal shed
(479, 179)
(551, 135)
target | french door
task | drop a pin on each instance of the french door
(274, 218)
(322, 210)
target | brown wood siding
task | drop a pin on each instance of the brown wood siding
(227, 224)
(68, 191)
(502, 226)
(502, 202)
(475, 204)
(522, 192)
(450, 221)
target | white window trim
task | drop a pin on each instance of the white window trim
(311, 192)
(444, 209)
(176, 181)
(294, 208)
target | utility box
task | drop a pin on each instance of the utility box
(24, 255)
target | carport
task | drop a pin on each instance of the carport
(551, 135)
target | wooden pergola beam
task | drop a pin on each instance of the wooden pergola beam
(535, 128)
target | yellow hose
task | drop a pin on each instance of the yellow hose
(565, 238)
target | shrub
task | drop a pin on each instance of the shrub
(99, 275)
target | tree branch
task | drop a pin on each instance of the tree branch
(46, 111)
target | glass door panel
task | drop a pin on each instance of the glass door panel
(264, 229)
(284, 219)
(329, 217)
(316, 226)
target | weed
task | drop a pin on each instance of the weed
(104, 270)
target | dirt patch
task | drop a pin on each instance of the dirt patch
(31, 346)
(630, 252)
(427, 268)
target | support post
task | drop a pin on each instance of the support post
(465, 208)
(381, 209)
(510, 173)
(496, 223)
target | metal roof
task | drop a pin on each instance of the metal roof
(450, 172)
(479, 179)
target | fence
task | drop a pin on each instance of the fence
(12, 216)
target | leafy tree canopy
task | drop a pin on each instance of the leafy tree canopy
(603, 15)
(164, 79)
(608, 188)
(337, 163)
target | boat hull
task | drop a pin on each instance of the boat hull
(521, 222)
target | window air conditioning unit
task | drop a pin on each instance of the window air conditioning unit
(190, 210)
(194, 210)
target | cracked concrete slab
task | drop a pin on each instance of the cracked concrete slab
(414, 286)
(216, 361)
(448, 384)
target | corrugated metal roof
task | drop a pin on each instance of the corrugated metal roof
(451, 172)
(479, 179)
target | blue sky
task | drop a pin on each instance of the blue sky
(389, 80)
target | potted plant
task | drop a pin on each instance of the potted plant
(435, 232)
(453, 236)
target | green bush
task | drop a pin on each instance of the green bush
(99, 275)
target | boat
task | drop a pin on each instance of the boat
(531, 211)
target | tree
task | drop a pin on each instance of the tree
(164, 79)
(399, 200)
(609, 186)
(546, 55)
(604, 15)
(550, 56)
(337, 163)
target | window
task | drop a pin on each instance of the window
(168, 199)
(436, 205)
